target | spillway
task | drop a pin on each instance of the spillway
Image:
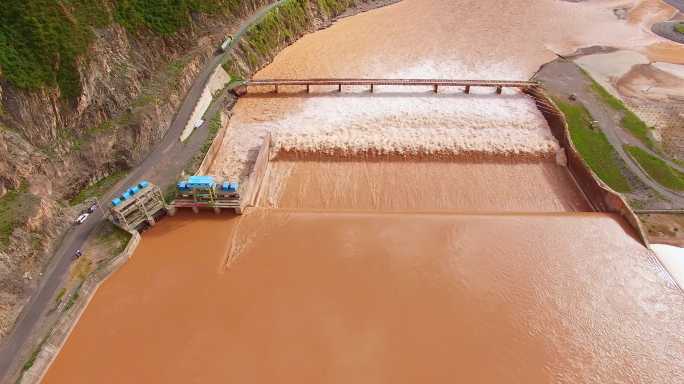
(401, 237)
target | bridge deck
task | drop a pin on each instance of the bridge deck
(435, 83)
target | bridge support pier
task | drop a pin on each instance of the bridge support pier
(308, 88)
(371, 89)
(339, 87)
(498, 90)
(434, 88)
(467, 89)
(276, 88)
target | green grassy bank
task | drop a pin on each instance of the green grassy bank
(659, 170)
(630, 121)
(593, 146)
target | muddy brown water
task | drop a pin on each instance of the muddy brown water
(394, 298)
(494, 186)
(386, 272)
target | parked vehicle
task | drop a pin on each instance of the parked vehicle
(82, 218)
(226, 43)
(198, 123)
(92, 208)
(78, 254)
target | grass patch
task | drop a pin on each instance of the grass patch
(15, 207)
(81, 268)
(630, 121)
(679, 27)
(113, 238)
(60, 295)
(658, 169)
(98, 189)
(72, 299)
(34, 355)
(105, 126)
(212, 129)
(280, 25)
(594, 146)
(170, 193)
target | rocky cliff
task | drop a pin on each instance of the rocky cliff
(131, 77)
(72, 114)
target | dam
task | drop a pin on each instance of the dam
(399, 236)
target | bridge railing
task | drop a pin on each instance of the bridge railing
(434, 83)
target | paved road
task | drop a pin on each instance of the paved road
(564, 78)
(162, 167)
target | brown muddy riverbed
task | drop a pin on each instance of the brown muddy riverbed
(391, 298)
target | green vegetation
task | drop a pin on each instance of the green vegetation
(60, 295)
(629, 121)
(113, 238)
(334, 7)
(15, 207)
(281, 24)
(213, 127)
(679, 27)
(41, 41)
(34, 355)
(97, 189)
(593, 146)
(658, 169)
(72, 299)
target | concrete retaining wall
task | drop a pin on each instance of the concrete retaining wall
(256, 177)
(214, 148)
(602, 198)
(59, 334)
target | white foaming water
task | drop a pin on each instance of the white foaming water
(393, 120)
(422, 39)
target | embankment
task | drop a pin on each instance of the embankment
(54, 340)
(602, 198)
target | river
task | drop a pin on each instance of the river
(483, 264)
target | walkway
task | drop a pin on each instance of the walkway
(564, 78)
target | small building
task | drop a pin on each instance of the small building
(205, 192)
(138, 206)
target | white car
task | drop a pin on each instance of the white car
(198, 123)
(82, 218)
